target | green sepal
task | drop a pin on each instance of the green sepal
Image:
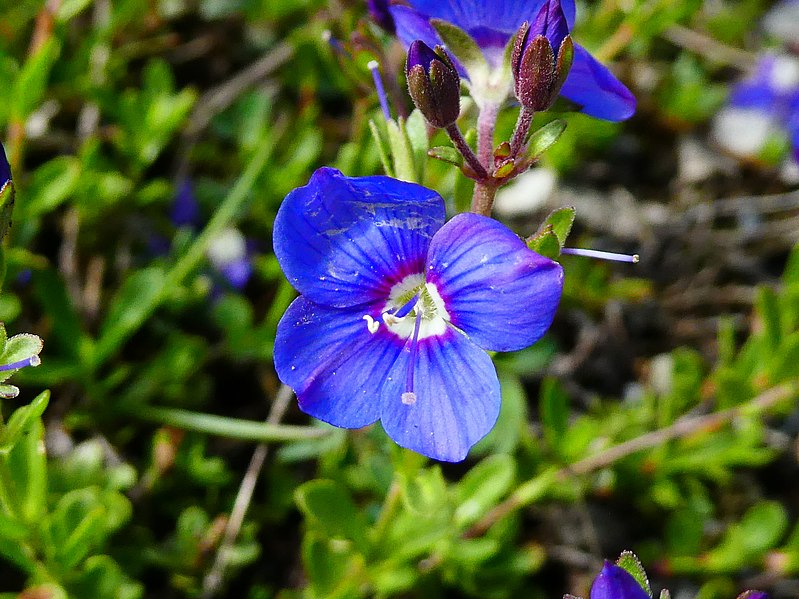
(6, 207)
(446, 154)
(544, 138)
(630, 562)
(552, 235)
(545, 242)
(463, 48)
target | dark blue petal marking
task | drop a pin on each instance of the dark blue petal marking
(346, 241)
(456, 403)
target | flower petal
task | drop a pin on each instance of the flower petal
(345, 241)
(599, 94)
(614, 582)
(5, 169)
(500, 293)
(457, 398)
(334, 364)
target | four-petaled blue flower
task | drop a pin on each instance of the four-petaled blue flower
(397, 309)
(589, 84)
(614, 582)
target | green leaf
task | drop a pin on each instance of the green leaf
(131, 306)
(446, 154)
(31, 84)
(329, 508)
(544, 138)
(401, 151)
(21, 421)
(554, 410)
(463, 47)
(482, 487)
(561, 221)
(21, 347)
(630, 562)
(27, 469)
(768, 311)
(53, 183)
(545, 242)
(380, 135)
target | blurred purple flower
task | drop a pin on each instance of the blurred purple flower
(614, 582)
(753, 595)
(589, 84)
(228, 252)
(397, 308)
(765, 103)
(378, 10)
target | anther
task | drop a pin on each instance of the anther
(613, 257)
(371, 323)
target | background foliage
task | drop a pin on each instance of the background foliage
(659, 414)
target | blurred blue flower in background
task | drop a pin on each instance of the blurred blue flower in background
(764, 105)
(492, 24)
(397, 309)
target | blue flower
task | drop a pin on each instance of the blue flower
(765, 103)
(614, 582)
(5, 169)
(589, 84)
(397, 308)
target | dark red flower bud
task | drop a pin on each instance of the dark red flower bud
(434, 84)
(541, 58)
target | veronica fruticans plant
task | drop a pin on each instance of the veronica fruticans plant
(398, 308)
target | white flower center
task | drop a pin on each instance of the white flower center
(425, 302)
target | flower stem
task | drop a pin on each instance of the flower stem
(522, 128)
(468, 155)
(486, 189)
(232, 428)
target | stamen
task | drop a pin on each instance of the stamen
(335, 44)
(403, 311)
(371, 323)
(613, 257)
(374, 66)
(32, 361)
(409, 397)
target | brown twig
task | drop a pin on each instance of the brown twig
(213, 580)
(683, 427)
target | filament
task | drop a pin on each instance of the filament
(613, 257)
(374, 66)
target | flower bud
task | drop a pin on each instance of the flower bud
(541, 58)
(434, 84)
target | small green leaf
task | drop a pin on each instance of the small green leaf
(554, 408)
(401, 151)
(482, 487)
(21, 347)
(21, 421)
(544, 138)
(768, 311)
(446, 154)
(328, 506)
(630, 562)
(463, 47)
(6, 207)
(380, 135)
(546, 243)
(561, 220)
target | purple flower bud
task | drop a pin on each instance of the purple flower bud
(434, 84)
(614, 582)
(542, 56)
(378, 10)
(5, 169)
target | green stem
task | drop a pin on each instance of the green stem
(224, 215)
(233, 428)
(389, 509)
